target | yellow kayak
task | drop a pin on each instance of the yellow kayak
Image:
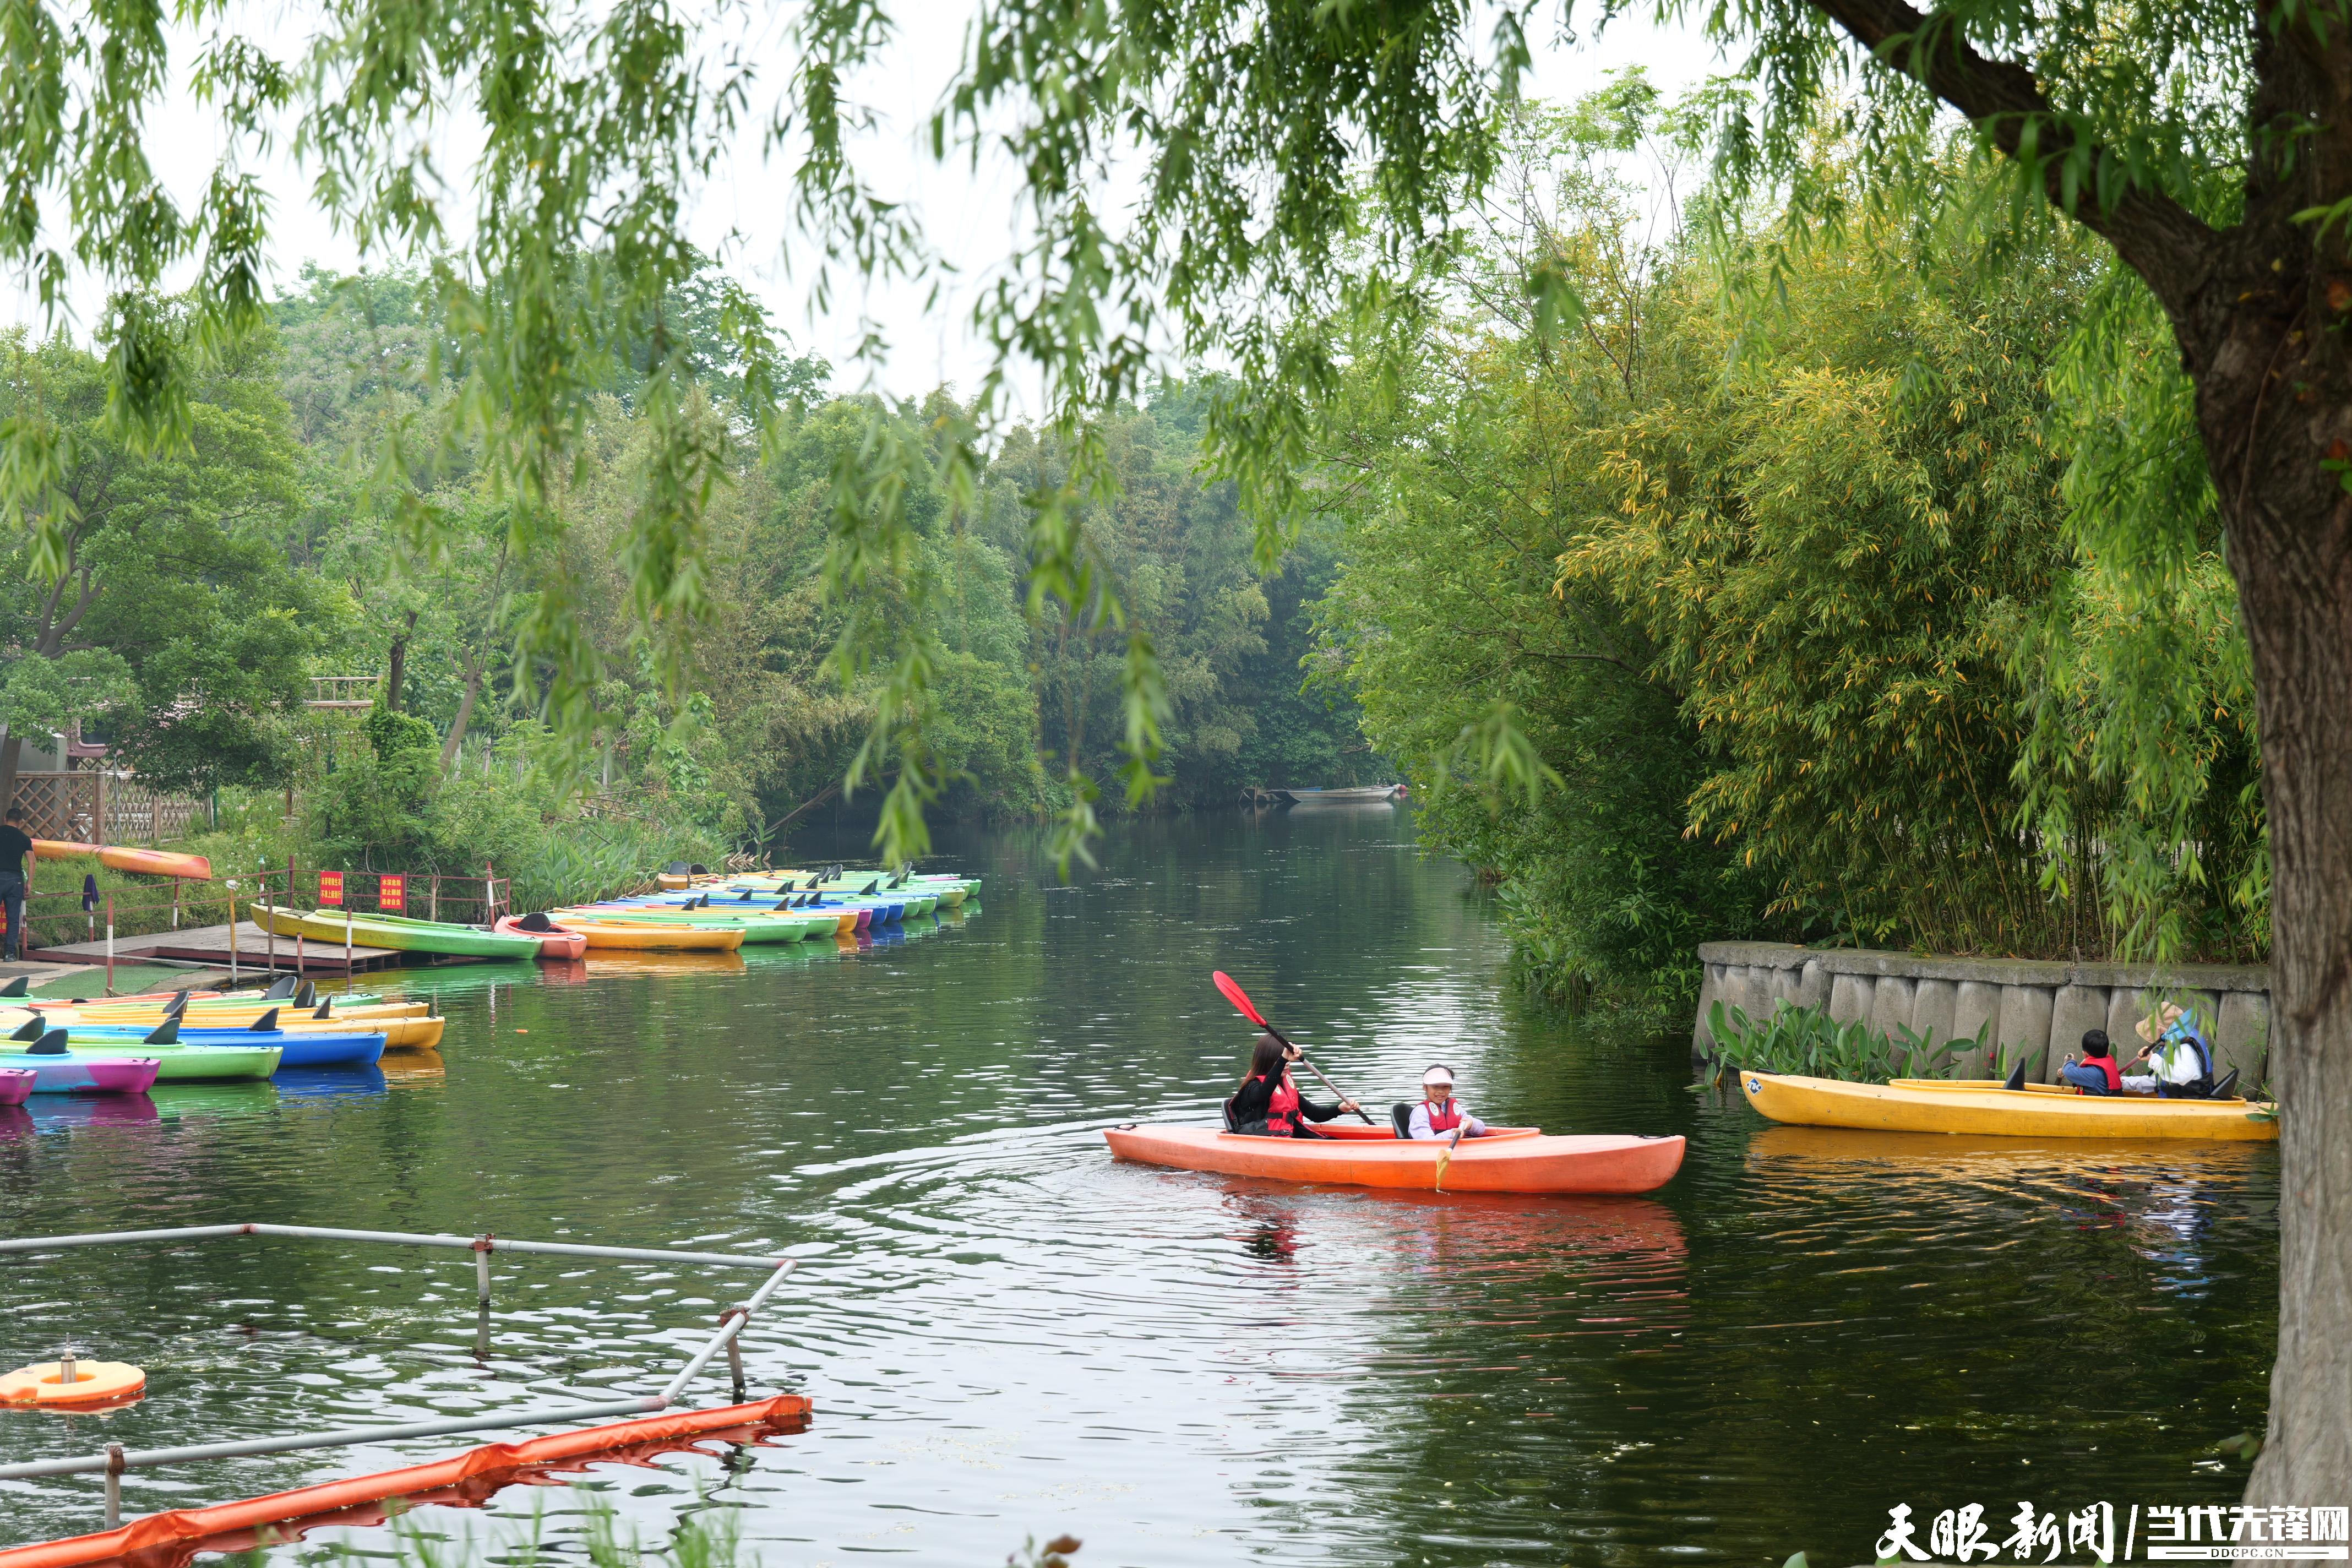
(1982, 1106)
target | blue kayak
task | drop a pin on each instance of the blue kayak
(296, 1048)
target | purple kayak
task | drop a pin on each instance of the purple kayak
(88, 1075)
(16, 1086)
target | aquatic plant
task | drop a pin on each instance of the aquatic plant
(1807, 1040)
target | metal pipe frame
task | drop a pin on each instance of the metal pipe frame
(401, 1238)
(115, 1461)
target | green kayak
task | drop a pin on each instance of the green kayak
(396, 931)
(176, 1063)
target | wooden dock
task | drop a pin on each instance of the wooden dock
(256, 949)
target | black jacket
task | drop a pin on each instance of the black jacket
(1249, 1102)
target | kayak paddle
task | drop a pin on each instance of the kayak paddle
(1445, 1155)
(1240, 998)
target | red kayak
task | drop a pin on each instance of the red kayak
(1507, 1160)
(555, 941)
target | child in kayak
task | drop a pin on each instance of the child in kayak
(2098, 1072)
(1269, 1104)
(1439, 1114)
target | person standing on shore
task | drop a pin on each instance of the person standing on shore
(15, 847)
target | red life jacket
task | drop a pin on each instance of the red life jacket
(1282, 1106)
(1444, 1116)
(2106, 1064)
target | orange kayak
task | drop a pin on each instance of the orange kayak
(1509, 1160)
(153, 862)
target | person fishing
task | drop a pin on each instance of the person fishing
(1439, 1114)
(1269, 1104)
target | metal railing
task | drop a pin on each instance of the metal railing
(116, 1460)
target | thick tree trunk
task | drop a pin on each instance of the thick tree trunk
(2291, 549)
(12, 751)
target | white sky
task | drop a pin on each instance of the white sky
(970, 219)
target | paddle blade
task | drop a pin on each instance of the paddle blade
(1239, 998)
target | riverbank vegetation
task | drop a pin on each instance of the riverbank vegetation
(1790, 556)
(315, 525)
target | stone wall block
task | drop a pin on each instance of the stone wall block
(1976, 1010)
(1813, 985)
(1710, 991)
(2025, 1013)
(1746, 983)
(2076, 1010)
(1850, 998)
(1891, 1003)
(2126, 1005)
(1934, 1008)
(2243, 1039)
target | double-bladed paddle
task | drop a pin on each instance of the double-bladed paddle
(1240, 998)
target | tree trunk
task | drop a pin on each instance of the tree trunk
(465, 716)
(2291, 549)
(398, 665)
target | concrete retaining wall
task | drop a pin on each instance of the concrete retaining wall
(2037, 1009)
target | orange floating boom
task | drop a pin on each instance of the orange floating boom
(183, 1526)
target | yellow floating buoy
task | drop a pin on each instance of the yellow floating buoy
(94, 1382)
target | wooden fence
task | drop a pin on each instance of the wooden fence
(90, 807)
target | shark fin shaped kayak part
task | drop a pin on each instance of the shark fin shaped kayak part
(32, 1030)
(21, 986)
(166, 1033)
(266, 1022)
(52, 1043)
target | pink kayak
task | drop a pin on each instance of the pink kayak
(16, 1086)
(555, 941)
(87, 1075)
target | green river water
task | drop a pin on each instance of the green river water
(1008, 1334)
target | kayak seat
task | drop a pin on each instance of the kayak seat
(675, 869)
(2228, 1088)
(536, 921)
(2016, 1078)
(1401, 1118)
(1226, 1110)
(697, 869)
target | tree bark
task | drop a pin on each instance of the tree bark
(12, 751)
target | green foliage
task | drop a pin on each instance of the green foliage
(391, 735)
(173, 619)
(1807, 1041)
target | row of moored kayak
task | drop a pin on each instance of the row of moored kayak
(124, 1044)
(713, 914)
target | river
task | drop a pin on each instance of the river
(1007, 1334)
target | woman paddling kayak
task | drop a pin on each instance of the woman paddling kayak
(1269, 1104)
